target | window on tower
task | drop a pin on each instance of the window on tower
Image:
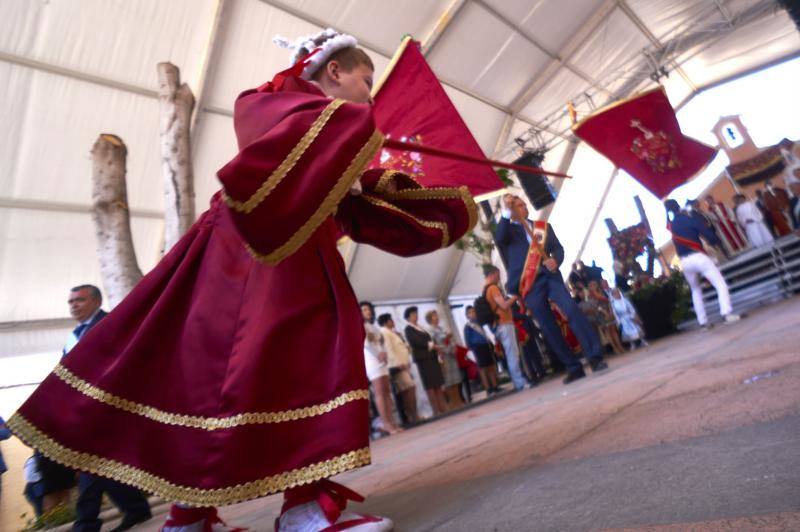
(733, 137)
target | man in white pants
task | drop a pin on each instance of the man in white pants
(686, 233)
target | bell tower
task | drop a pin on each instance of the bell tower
(734, 139)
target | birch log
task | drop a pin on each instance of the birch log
(118, 267)
(176, 103)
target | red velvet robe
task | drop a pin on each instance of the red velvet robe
(235, 368)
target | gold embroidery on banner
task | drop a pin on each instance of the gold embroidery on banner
(287, 164)
(441, 226)
(200, 422)
(151, 483)
(328, 205)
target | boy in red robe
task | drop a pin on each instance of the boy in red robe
(235, 368)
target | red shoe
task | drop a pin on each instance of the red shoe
(183, 519)
(320, 507)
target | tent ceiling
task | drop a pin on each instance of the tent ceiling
(71, 70)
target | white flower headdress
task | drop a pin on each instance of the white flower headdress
(326, 42)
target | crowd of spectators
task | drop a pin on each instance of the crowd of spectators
(754, 221)
(611, 314)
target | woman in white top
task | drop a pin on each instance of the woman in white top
(375, 359)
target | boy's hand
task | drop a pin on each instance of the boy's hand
(355, 188)
(551, 264)
(391, 186)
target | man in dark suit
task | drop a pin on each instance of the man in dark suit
(514, 242)
(84, 306)
(695, 212)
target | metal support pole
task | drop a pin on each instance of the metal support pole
(442, 24)
(597, 213)
(563, 167)
(451, 322)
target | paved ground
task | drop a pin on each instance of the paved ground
(678, 436)
(755, 468)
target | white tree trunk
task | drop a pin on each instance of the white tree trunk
(118, 266)
(176, 103)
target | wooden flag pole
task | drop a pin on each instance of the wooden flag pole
(437, 152)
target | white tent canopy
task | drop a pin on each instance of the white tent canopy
(72, 69)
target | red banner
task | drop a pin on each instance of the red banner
(641, 135)
(411, 106)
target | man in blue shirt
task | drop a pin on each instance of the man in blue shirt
(686, 235)
(694, 211)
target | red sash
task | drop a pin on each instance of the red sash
(535, 256)
(691, 244)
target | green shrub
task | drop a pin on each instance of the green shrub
(60, 515)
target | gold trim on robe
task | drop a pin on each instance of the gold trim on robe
(286, 165)
(328, 205)
(383, 181)
(151, 483)
(441, 226)
(387, 175)
(461, 193)
(200, 422)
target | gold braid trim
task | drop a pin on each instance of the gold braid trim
(461, 193)
(287, 164)
(388, 175)
(384, 180)
(150, 483)
(328, 205)
(441, 226)
(205, 423)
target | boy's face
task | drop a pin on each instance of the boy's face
(353, 86)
